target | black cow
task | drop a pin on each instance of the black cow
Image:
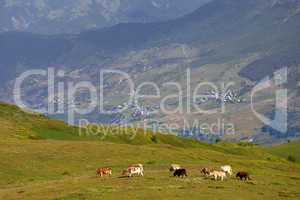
(243, 175)
(180, 173)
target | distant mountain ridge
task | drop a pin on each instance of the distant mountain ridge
(241, 27)
(73, 16)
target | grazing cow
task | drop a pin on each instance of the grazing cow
(218, 175)
(243, 175)
(104, 171)
(130, 171)
(227, 169)
(180, 173)
(138, 165)
(174, 167)
(206, 171)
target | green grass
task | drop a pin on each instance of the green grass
(291, 150)
(20, 124)
(60, 165)
(66, 170)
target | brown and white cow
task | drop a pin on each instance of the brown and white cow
(206, 171)
(104, 171)
(138, 165)
(131, 171)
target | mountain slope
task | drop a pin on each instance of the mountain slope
(226, 28)
(222, 41)
(65, 16)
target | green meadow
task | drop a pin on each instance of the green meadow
(42, 158)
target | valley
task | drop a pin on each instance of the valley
(233, 43)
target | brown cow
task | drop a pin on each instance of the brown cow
(243, 175)
(104, 171)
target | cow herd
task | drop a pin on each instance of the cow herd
(178, 171)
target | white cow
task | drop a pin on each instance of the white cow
(174, 167)
(130, 171)
(227, 169)
(218, 175)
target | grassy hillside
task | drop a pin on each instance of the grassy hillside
(290, 151)
(62, 167)
(16, 123)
